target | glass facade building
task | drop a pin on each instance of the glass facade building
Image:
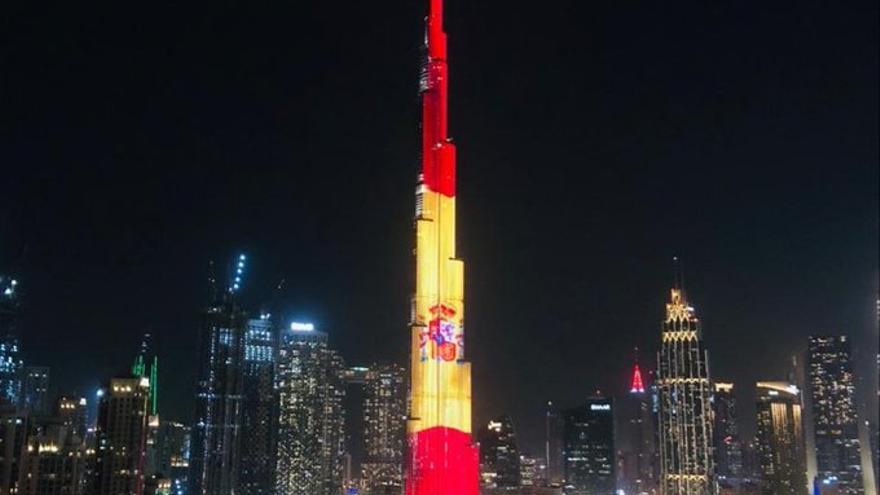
(780, 439)
(258, 444)
(589, 456)
(835, 419)
(499, 454)
(311, 419)
(216, 432)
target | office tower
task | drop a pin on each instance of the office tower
(13, 448)
(216, 432)
(635, 437)
(728, 451)
(385, 394)
(499, 455)
(172, 454)
(685, 406)
(11, 364)
(56, 459)
(553, 445)
(442, 457)
(589, 456)
(835, 420)
(529, 471)
(72, 411)
(311, 390)
(35, 393)
(780, 439)
(121, 437)
(257, 469)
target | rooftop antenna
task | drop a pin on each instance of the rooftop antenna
(678, 275)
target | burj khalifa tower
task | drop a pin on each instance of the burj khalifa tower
(442, 457)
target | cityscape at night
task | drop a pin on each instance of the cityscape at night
(237, 242)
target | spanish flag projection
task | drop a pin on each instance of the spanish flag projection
(442, 457)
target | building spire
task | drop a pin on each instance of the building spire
(637, 386)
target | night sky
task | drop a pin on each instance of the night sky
(595, 140)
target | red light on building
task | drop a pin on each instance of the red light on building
(637, 386)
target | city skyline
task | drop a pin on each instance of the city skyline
(90, 247)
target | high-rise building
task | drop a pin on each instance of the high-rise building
(260, 421)
(553, 427)
(216, 432)
(780, 440)
(73, 413)
(442, 457)
(36, 389)
(635, 437)
(835, 420)
(121, 437)
(13, 448)
(499, 454)
(385, 394)
(56, 459)
(311, 437)
(589, 456)
(172, 454)
(685, 403)
(728, 450)
(11, 364)
(529, 471)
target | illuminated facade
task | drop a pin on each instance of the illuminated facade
(257, 469)
(780, 440)
(685, 407)
(385, 394)
(121, 435)
(499, 455)
(589, 454)
(442, 457)
(835, 420)
(216, 432)
(311, 418)
(55, 461)
(728, 451)
(11, 364)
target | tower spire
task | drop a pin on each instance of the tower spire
(442, 457)
(637, 386)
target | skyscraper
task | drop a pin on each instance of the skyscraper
(56, 459)
(311, 437)
(216, 433)
(635, 437)
(685, 406)
(172, 454)
(728, 451)
(553, 445)
(121, 435)
(589, 456)
(260, 421)
(499, 454)
(36, 389)
(780, 439)
(835, 419)
(385, 395)
(11, 364)
(443, 459)
(73, 412)
(13, 448)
